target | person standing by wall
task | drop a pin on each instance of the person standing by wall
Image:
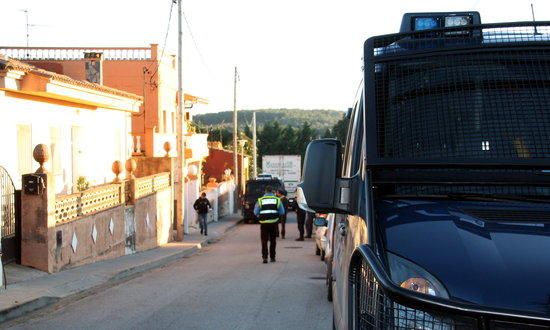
(301, 219)
(202, 205)
(309, 224)
(282, 196)
(268, 209)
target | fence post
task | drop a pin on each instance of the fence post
(38, 236)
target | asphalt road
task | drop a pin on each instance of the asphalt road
(225, 286)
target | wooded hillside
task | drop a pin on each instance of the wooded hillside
(319, 120)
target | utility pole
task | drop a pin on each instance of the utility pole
(235, 134)
(179, 179)
(254, 147)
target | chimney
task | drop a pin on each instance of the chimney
(94, 67)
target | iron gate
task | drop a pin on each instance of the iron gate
(9, 212)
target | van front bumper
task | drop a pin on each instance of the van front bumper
(375, 302)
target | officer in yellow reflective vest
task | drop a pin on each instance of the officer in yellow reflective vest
(268, 209)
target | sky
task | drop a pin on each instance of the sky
(289, 53)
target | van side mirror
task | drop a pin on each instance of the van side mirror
(322, 164)
(322, 189)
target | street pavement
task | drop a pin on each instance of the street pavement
(224, 286)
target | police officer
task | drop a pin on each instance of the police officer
(282, 196)
(268, 209)
(301, 220)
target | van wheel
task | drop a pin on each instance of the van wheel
(317, 251)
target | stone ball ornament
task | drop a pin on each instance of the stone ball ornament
(41, 154)
(117, 169)
(167, 147)
(131, 166)
(192, 171)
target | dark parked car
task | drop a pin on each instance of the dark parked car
(254, 190)
(442, 194)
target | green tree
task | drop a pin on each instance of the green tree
(289, 140)
(340, 129)
(305, 135)
(247, 131)
(270, 138)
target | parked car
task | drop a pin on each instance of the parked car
(254, 190)
(320, 224)
(328, 254)
(325, 228)
(442, 193)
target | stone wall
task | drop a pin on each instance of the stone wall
(221, 197)
(105, 222)
(107, 244)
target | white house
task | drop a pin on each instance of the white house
(87, 126)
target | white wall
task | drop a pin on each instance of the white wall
(104, 138)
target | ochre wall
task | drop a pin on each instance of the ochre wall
(217, 161)
(152, 165)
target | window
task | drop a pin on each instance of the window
(352, 156)
(164, 127)
(55, 150)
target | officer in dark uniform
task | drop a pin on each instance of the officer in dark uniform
(268, 209)
(282, 196)
(301, 219)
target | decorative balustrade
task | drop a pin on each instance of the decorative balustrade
(67, 207)
(161, 181)
(150, 184)
(68, 53)
(100, 198)
(70, 207)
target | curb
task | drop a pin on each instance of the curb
(31, 306)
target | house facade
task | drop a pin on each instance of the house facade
(144, 71)
(85, 125)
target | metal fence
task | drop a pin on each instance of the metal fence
(7, 204)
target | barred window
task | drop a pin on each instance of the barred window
(490, 105)
(483, 94)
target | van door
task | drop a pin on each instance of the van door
(350, 230)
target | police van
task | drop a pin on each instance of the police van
(255, 188)
(442, 192)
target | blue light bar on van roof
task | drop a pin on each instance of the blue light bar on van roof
(451, 21)
(425, 23)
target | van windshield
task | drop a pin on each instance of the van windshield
(479, 100)
(257, 187)
(484, 106)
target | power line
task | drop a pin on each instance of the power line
(196, 44)
(172, 2)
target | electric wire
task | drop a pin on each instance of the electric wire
(195, 43)
(172, 2)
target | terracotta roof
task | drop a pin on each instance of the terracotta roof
(7, 63)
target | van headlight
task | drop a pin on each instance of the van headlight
(412, 277)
